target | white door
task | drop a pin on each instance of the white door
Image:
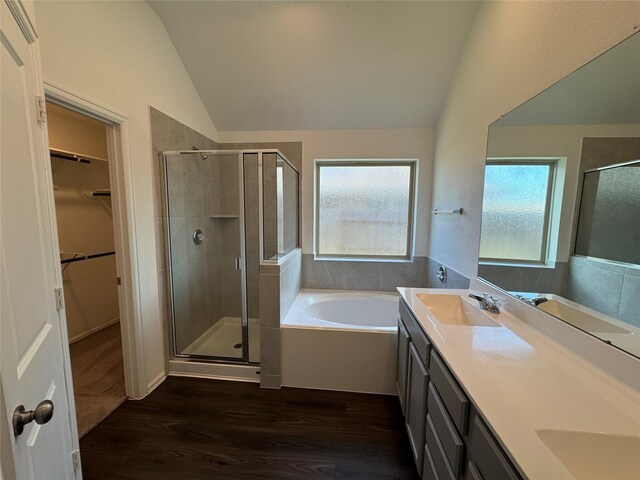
(32, 335)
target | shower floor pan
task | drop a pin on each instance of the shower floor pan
(224, 336)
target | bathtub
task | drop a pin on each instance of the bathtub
(341, 340)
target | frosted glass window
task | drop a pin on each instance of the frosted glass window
(515, 211)
(364, 209)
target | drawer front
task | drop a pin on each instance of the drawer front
(429, 469)
(454, 399)
(416, 408)
(487, 456)
(445, 429)
(419, 339)
(473, 473)
(403, 359)
(442, 467)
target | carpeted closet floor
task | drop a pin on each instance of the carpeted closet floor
(98, 376)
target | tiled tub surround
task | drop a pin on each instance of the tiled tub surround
(360, 275)
(376, 276)
(454, 279)
(515, 278)
(608, 287)
(279, 287)
(523, 384)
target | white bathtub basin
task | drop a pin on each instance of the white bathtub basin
(363, 310)
(456, 310)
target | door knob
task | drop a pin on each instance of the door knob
(21, 417)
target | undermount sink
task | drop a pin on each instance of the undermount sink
(456, 310)
(580, 318)
(589, 455)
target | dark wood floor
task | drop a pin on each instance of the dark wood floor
(207, 429)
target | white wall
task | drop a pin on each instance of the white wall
(336, 144)
(118, 55)
(514, 50)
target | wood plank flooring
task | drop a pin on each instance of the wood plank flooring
(98, 376)
(207, 429)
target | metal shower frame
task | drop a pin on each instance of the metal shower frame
(243, 254)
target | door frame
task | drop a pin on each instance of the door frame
(121, 180)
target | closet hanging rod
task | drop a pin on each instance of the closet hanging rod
(86, 257)
(74, 157)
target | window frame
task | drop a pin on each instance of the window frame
(411, 214)
(544, 258)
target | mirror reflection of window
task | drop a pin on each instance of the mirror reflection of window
(516, 210)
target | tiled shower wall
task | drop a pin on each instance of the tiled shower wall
(279, 287)
(169, 134)
(608, 287)
(604, 286)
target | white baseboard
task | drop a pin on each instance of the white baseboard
(155, 383)
(94, 330)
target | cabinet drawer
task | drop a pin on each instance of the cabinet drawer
(452, 396)
(449, 438)
(487, 455)
(442, 467)
(419, 339)
(429, 469)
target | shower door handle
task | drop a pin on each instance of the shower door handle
(238, 262)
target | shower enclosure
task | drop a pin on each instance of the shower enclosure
(227, 211)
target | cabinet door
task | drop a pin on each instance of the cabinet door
(416, 404)
(403, 360)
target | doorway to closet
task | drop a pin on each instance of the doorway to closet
(82, 191)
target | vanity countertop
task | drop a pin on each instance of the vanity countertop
(524, 384)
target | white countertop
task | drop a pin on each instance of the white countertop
(522, 381)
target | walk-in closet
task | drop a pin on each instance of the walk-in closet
(80, 168)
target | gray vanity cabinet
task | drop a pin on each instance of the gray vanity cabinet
(449, 440)
(416, 409)
(486, 458)
(403, 364)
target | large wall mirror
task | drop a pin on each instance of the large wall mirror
(561, 211)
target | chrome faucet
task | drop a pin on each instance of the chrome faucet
(534, 302)
(487, 302)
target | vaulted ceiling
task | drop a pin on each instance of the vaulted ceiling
(319, 65)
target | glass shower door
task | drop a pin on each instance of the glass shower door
(203, 214)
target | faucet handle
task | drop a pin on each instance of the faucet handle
(479, 296)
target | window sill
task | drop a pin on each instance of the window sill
(549, 265)
(362, 259)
